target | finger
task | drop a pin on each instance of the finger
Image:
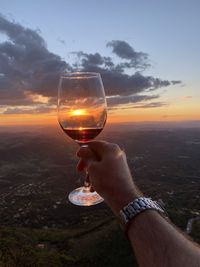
(98, 148)
(102, 148)
(85, 153)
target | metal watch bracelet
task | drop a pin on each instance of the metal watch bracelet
(141, 204)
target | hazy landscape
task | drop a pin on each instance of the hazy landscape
(37, 171)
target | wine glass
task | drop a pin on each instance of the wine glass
(82, 113)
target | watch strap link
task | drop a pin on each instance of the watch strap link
(137, 206)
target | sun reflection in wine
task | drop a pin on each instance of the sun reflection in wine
(78, 112)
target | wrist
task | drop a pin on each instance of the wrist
(136, 207)
(122, 199)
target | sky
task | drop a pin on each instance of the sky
(147, 53)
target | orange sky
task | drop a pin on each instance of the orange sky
(185, 110)
(178, 107)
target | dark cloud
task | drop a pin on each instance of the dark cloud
(175, 82)
(28, 67)
(117, 82)
(123, 50)
(120, 100)
(26, 64)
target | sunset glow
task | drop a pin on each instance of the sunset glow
(176, 112)
(78, 112)
(25, 119)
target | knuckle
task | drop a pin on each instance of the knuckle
(114, 147)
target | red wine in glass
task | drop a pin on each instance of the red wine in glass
(82, 136)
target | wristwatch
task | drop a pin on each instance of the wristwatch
(129, 212)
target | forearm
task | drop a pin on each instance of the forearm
(158, 243)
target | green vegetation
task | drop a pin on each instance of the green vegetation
(97, 246)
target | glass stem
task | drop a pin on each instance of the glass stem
(87, 180)
(87, 184)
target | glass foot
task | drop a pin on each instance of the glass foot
(83, 197)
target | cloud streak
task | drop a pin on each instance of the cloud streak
(28, 68)
(39, 109)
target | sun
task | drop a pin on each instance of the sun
(78, 112)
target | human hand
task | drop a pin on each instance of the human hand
(109, 173)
